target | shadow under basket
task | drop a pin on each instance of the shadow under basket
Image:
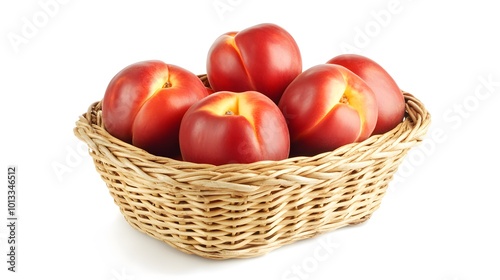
(247, 210)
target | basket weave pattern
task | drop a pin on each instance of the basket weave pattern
(247, 210)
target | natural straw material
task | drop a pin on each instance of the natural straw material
(247, 210)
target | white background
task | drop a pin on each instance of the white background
(438, 221)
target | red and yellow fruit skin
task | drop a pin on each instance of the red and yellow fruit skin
(390, 99)
(263, 58)
(144, 104)
(327, 106)
(230, 127)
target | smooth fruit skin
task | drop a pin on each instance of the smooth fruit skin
(228, 127)
(390, 100)
(144, 104)
(263, 58)
(327, 106)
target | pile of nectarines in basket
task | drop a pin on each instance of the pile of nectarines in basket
(260, 105)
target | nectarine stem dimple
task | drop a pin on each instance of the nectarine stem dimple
(344, 99)
(229, 113)
(167, 85)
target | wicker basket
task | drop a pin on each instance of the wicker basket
(247, 210)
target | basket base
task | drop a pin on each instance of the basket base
(215, 253)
